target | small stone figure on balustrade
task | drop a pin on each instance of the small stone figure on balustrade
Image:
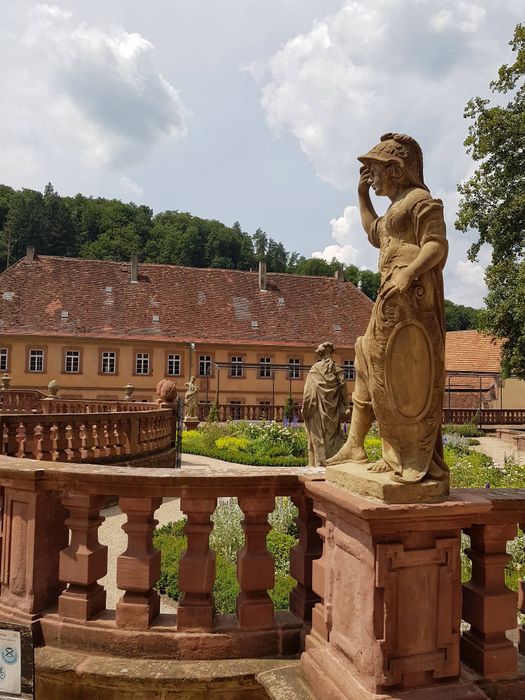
(325, 400)
(191, 398)
(166, 391)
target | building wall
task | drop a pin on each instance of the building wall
(90, 382)
(512, 394)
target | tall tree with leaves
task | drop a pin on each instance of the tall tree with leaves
(493, 202)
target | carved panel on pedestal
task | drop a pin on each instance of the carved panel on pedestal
(419, 630)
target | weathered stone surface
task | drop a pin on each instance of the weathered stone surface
(325, 399)
(356, 478)
(400, 361)
(389, 620)
(285, 683)
(61, 674)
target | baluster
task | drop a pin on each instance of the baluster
(83, 437)
(138, 568)
(255, 565)
(95, 442)
(321, 613)
(302, 556)
(117, 439)
(61, 436)
(44, 443)
(107, 449)
(84, 562)
(488, 605)
(21, 440)
(197, 566)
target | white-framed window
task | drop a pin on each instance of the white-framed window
(108, 362)
(294, 368)
(36, 360)
(72, 361)
(142, 363)
(236, 366)
(265, 367)
(174, 365)
(4, 357)
(349, 369)
(204, 365)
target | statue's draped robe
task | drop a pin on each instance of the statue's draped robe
(324, 398)
(400, 361)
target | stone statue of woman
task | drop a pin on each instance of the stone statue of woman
(190, 398)
(325, 399)
(400, 359)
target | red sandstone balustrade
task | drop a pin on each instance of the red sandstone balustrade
(488, 605)
(91, 437)
(487, 416)
(21, 401)
(50, 405)
(247, 411)
(62, 596)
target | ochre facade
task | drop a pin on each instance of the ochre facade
(91, 382)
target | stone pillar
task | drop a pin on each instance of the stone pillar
(302, 556)
(488, 605)
(255, 565)
(84, 562)
(197, 566)
(138, 568)
(33, 534)
(392, 598)
(321, 618)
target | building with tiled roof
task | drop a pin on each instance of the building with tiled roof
(473, 364)
(96, 325)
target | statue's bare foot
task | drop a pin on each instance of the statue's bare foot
(349, 452)
(379, 466)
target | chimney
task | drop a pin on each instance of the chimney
(339, 275)
(30, 253)
(262, 276)
(134, 268)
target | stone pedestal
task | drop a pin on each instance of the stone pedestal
(191, 423)
(388, 624)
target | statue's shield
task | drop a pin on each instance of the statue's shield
(409, 380)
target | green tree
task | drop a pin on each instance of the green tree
(493, 203)
(369, 283)
(459, 317)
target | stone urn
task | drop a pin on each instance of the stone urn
(128, 391)
(6, 381)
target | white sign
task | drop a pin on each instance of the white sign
(10, 662)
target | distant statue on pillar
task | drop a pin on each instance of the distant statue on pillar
(400, 360)
(191, 399)
(325, 399)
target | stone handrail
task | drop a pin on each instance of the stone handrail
(21, 401)
(57, 405)
(52, 559)
(485, 416)
(247, 411)
(92, 437)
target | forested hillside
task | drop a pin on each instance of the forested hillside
(108, 229)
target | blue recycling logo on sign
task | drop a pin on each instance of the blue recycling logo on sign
(9, 655)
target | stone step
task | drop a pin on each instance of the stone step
(285, 683)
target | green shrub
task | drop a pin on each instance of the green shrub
(232, 443)
(213, 413)
(466, 430)
(282, 519)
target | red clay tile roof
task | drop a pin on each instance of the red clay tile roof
(472, 351)
(190, 304)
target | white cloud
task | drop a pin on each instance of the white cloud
(98, 97)
(468, 283)
(129, 188)
(370, 68)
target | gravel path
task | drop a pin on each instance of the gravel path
(498, 450)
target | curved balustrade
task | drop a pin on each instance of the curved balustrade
(21, 401)
(93, 437)
(54, 584)
(57, 405)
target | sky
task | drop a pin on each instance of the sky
(249, 110)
